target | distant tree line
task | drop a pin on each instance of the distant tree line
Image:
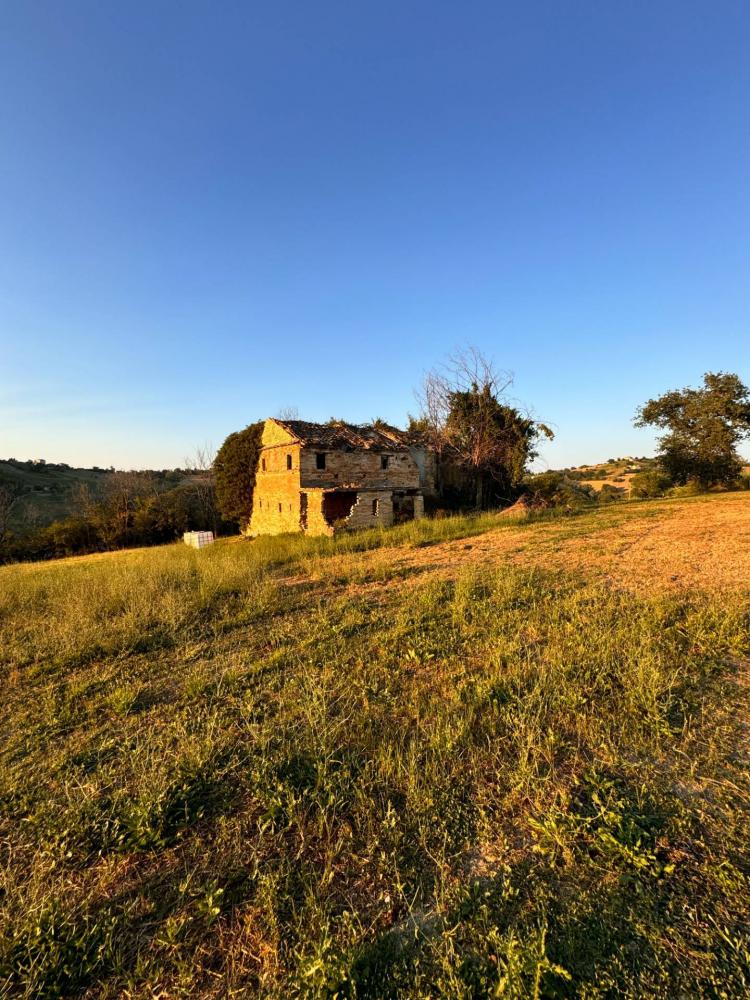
(123, 509)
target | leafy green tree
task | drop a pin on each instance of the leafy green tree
(234, 471)
(466, 421)
(492, 441)
(703, 429)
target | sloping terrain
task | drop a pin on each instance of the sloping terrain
(701, 543)
(461, 758)
(47, 490)
(617, 472)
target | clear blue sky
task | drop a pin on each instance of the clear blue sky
(212, 211)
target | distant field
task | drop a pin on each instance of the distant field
(619, 479)
(467, 757)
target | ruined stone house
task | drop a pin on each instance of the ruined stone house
(326, 478)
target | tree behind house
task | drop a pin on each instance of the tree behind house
(467, 421)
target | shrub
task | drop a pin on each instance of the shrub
(691, 489)
(609, 493)
(649, 484)
(554, 489)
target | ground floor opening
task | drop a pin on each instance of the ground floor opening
(337, 506)
(405, 505)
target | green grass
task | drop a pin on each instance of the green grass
(254, 770)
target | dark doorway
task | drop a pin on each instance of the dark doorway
(403, 507)
(338, 506)
(303, 511)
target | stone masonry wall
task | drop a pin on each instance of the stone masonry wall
(359, 469)
(427, 466)
(276, 500)
(316, 522)
(364, 515)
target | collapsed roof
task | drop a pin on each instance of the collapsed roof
(340, 436)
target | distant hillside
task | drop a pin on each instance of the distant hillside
(616, 472)
(47, 489)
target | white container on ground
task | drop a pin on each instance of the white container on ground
(198, 539)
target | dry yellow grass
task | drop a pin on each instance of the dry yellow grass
(619, 481)
(701, 543)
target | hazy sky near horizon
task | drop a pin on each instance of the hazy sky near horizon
(212, 211)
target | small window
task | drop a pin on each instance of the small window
(288, 461)
(375, 507)
(263, 464)
(384, 461)
(279, 508)
(320, 460)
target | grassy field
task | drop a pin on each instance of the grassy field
(461, 758)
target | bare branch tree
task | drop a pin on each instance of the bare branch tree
(203, 483)
(466, 370)
(84, 501)
(288, 413)
(472, 425)
(120, 494)
(32, 515)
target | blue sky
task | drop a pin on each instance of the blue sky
(212, 211)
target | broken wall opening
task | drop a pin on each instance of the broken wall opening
(338, 506)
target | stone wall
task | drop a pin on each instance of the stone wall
(426, 463)
(276, 499)
(359, 469)
(316, 522)
(373, 508)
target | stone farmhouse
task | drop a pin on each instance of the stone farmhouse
(325, 478)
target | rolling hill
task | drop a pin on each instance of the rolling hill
(48, 489)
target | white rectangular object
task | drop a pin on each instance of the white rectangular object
(198, 539)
